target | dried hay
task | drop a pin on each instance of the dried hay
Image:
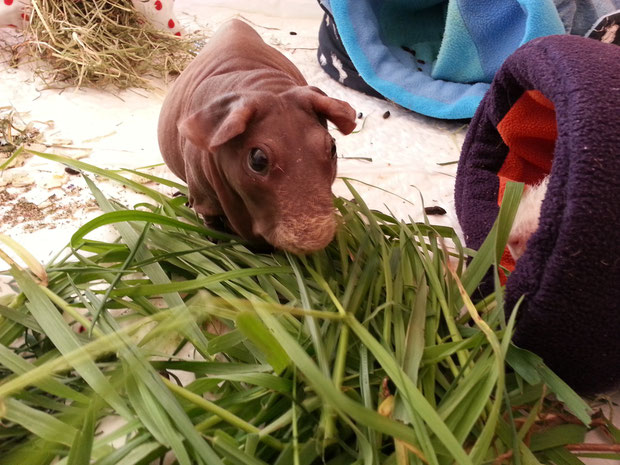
(14, 134)
(100, 43)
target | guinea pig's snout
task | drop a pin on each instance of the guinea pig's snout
(517, 245)
(303, 234)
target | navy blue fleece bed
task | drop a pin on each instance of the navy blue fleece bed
(559, 96)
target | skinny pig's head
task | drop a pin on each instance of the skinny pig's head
(271, 163)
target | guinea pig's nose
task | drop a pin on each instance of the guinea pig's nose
(305, 234)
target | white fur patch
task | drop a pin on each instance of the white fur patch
(526, 219)
(610, 34)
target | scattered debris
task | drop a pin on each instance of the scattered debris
(6, 196)
(22, 211)
(16, 211)
(357, 158)
(16, 178)
(435, 210)
(407, 49)
(15, 132)
(99, 138)
(256, 24)
(54, 181)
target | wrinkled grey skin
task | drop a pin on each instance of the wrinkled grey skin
(240, 95)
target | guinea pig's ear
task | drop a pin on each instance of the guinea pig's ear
(338, 112)
(217, 123)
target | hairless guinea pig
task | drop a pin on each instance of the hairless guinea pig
(249, 136)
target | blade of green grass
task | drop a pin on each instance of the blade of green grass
(154, 271)
(42, 424)
(323, 386)
(65, 339)
(81, 448)
(415, 399)
(20, 366)
(532, 368)
(230, 448)
(254, 329)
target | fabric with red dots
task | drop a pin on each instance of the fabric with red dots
(16, 14)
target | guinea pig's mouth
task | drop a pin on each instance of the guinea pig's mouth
(302, 235)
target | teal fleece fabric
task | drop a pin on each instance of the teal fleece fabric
(437, 57)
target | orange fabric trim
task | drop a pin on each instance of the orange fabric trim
(529, 129)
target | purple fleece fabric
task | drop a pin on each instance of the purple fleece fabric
(570, 273)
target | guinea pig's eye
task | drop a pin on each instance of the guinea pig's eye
(334, 153)
(258, 161)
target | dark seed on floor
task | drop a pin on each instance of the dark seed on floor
(293, 33)
(360, 115)
(434, 211)
(71, 171)
(386, 115)
(407, 49)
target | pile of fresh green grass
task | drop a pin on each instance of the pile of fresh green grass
(369, 352)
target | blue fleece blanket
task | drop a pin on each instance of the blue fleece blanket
(437, 57)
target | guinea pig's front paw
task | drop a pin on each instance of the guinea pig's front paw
(218, 223)
(181, 194)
